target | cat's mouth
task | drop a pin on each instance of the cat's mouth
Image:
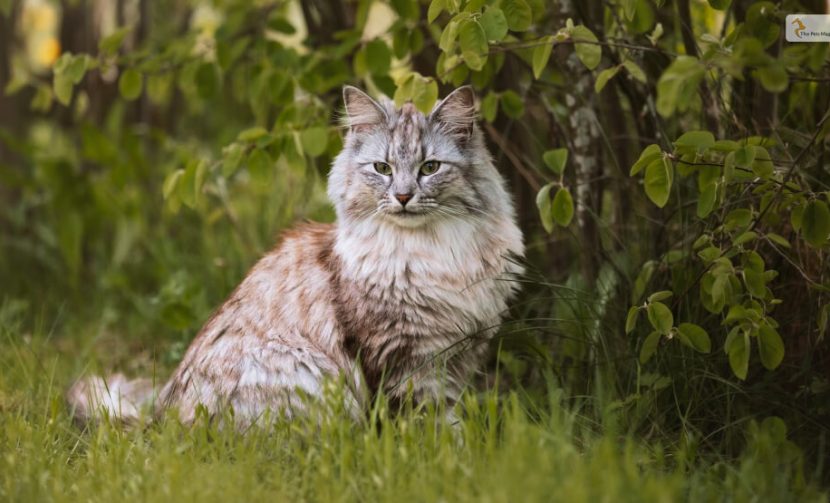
(407, 217)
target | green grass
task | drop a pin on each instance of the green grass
(507, 448)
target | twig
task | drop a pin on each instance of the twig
(791, 171)
(517, 163)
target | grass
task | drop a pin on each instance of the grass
(506, 448)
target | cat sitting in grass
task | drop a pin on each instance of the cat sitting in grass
(399, 295)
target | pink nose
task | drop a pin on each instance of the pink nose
(403, 198)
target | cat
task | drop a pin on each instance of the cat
(399, 295)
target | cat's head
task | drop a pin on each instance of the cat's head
(410, 169)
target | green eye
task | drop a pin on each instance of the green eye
(383, 168)
(430, 167)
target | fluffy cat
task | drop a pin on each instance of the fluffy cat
(399, 295)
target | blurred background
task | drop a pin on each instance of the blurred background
(151, 151)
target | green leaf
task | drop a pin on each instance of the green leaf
(762, 162)
(541, 55)
(543, 203)
(755, 283)
(677, 81)
(796, 217)
(425, 93)
(435, 9)
(252, 134)
(698, 140)
(706, 200)
(815, 222)
(720, 4)
(643, 18)
(448, 37)
(660, 317)
(130, 84)
(696, 336)
(661, 295)
(738, 351)
(631, 319)
(189, 186)
(518, 14)
(378, 57)
(171, 181)
(587, 49)
(738, 219)
(400, 43)
(648, 155)
(604, 76)
(512, 104)
(774, 78)
(778, 239)
(259, 166)
(281, 25)
(643, 277)
(232, 158)
(556, 159)
(563, 207)
(489, 106)
(744, 156)
(649, 346)
(494, 24)
(111, 43)
(658, 181)
(62, 87)
(709, 254)
(76, 69)
(635, 71)
(473, 42)
(746, 237)
(770, 347)
(762, 23)
(315, 140)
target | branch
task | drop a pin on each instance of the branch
(517, 163)
(791, 171)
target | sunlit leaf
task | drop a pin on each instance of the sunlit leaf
(660, 317)
(518, 14)
(658, 181)
(556, 159)
(494, 23)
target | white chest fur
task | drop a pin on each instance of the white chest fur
(449, 278)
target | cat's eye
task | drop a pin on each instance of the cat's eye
(430, 167)
(383, 168)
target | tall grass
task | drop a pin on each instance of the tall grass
(505, 448)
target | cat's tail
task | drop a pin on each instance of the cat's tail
(95, 398)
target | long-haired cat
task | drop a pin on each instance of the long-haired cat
(398, 296)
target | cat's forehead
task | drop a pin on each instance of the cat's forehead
(406, 131)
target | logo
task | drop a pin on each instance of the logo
(807, 28)
(800, 26)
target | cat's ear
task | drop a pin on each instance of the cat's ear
(457, 112)
(362, 112)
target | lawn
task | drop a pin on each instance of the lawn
(508, 447)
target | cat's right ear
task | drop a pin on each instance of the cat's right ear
(362, 112)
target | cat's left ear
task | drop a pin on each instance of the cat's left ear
(457, 112)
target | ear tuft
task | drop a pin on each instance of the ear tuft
(362, 112)
(457, 112)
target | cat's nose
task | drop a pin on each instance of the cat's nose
(403, 198)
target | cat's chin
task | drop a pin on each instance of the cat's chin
(407, 219)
